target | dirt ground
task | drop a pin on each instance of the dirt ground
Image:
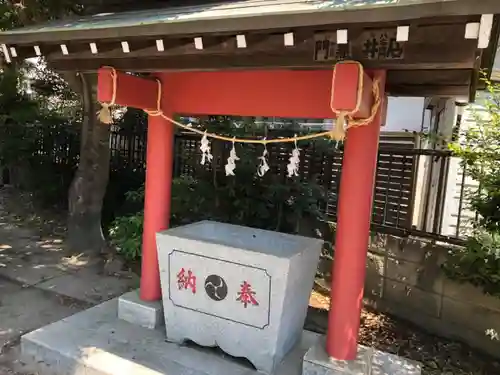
(439, 356)
(23, 309)
(40, 280)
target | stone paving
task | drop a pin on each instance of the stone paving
(41, 282)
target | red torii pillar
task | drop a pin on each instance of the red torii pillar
(283, 93)
(354, 210)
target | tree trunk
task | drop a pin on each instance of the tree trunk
(88, 188)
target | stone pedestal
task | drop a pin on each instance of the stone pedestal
(136, 311)
(368, 362)
(242, 289)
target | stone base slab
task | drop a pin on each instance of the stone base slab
(142, 313)
(97, 342)
(368, 362)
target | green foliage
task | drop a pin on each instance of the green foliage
(16, 110)
(126, 235)
(37, 111)
(35, 138)
(275, 207)
(478, 262)
(39, 114)
(479, 148)
(20, 13)
(52, 93)
(272, 202)
(126, 231)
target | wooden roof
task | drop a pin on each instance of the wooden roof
(244, 15)
(438, 58)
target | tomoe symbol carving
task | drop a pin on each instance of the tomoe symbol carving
(216, 287)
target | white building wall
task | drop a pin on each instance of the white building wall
(421, 175)
(404, 114)
(445, 120)
(428, 198)
(458, 217)
(447, 210)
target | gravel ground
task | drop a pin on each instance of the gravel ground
(439, 356)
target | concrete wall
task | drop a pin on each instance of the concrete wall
(404, 278)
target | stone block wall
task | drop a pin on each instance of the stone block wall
(404, 278)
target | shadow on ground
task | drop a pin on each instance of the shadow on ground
(40, 280)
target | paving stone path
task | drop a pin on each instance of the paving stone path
(41, 282)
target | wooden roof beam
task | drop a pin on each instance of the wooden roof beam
(437, 41)
(428, 47)
(212, 44)
(245, 16)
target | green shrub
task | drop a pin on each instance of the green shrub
(126, 235)
(272, 202)
(273, 207)
(125, 232)
(478, 262)
(478, 147)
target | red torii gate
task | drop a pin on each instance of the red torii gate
(283, 93)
